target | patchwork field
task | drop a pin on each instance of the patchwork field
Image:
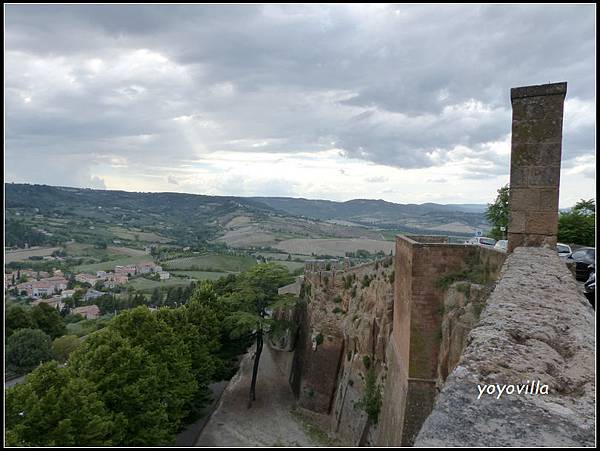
(211, 263)
(146, 285)
(24, 254)
(135, 235)
(336, 247)
(199, 275)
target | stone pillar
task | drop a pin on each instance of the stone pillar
(535, 164)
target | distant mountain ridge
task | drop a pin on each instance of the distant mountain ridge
(177, 214)
(327, 209)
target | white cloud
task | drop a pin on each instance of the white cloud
(330, 101)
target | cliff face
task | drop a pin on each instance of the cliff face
(463, 303)
(536, 326)
(340, 364)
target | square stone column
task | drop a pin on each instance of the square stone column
(535, 164)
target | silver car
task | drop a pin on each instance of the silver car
(563, 250)
(501, 245)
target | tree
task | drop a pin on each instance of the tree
(17, 318)
(26, 349)
(144, 370)
(53, 408)
(48, 319)
(128, 383)
(156, 297)
(257, 296)
(197, 326)
(63, 346)
(578, 226)
(497, 214)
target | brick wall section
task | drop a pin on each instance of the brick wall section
(535, 164)
(419, 262)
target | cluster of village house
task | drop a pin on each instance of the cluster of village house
(53, 290)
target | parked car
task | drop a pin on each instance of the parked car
(501, 245)
(583, 258)
(589, 288)
(482, 241)
(564, 250)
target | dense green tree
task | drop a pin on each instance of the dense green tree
(48, 319)
(107, 303)
(197, 326)
(52, 408)
(63, 346)
(17, 318)
(156, 297)
(497, 214)
(140, 354)
(258, 297)
(128, 383)
(26, 349)
(578, 226)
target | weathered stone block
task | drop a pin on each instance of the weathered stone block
(546, 176)
(543, 223)
(523, 199)
(532, 131)
(539, 90)
(549, 199)
(517, 221)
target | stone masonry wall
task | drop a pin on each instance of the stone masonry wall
(417, 330)
(536, 326)
(345, 332)
(535, 164)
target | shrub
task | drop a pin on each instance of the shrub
(26, 349)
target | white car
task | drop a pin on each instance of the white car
(482, 241)
(563, 250)
(501, 245)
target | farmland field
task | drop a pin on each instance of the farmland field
(291, 266)
(211, 263)
(24, 254)
(110, 265)
(337, 247)
(147, 285)
(200, 275)
(134, 235)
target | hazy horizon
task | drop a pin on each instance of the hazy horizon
(232, 195)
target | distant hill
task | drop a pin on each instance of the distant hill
(382, 213)
(42, 214)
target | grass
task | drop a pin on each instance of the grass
(146, 285)
(134, 235)
(199, 275)
(211, 263)
(312, 431)
(87, 326)
(290, 265)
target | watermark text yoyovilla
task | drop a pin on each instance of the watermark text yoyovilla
(497, 390)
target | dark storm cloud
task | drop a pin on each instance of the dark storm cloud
(396, 85)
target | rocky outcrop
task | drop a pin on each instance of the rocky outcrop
(536, 326)
(463, 303)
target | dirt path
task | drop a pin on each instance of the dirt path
(269, 421)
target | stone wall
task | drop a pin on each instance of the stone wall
(535, 164)
(344, 333)
(420, 262)
(536, 326)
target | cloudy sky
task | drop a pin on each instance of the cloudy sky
(402, 103)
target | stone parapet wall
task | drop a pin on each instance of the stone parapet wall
(536, 325)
